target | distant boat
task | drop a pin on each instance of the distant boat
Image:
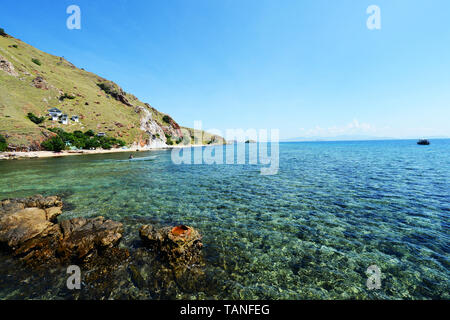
(139, 159)
(423, 142)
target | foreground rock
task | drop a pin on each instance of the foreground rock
(83, 238)
(29, 229)
(169, 264)
(179, 251)
(180, 246)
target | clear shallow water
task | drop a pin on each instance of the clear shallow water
(309, 232)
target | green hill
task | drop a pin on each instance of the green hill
(32, 81)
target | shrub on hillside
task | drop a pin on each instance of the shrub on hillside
(78, 134)
(36, 61)
(106, 146)
(55, 144)
(108, 143)
(3, 144)
(166, 119)
(92, 144)
(35, 119)
(90, 133)
(66, 96)
(169, 141)
(110, 89)
(106, 88)
(2, 32)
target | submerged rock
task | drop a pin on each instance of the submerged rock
(29, 229)
(136, 277)
(38, 201)
(174, 261)
(180, 246)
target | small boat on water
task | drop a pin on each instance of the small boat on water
(423, 142)
(138, 159)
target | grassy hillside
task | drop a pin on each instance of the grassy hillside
(34, 81)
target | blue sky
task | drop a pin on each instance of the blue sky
(308, 68)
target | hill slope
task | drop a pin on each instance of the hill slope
(34, 81)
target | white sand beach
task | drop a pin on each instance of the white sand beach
(51, 154)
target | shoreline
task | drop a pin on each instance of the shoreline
(65, 153)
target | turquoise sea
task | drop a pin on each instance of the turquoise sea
(308, 232)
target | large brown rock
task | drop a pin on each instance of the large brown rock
(180, 245)
(23, 225)
(84, 237)
(25, 219)
(29, 228)
(123, 99)
(180, 251)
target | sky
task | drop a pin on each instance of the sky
(310, 68)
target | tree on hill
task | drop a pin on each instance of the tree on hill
(55, 144)
(66, 96)
(35, 119)
(36, 61)
(90, 133)
(87, 140)
(3, 144)
(2, 32)
(166, 119)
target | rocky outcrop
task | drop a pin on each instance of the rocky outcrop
(29, 229)
(7, 67)
(115, 91)
(156, 132)
(121, 97)
(156, 136)
(171, 127)
(179, 251)
(180, 246)
(40, 83)
(83, 238)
